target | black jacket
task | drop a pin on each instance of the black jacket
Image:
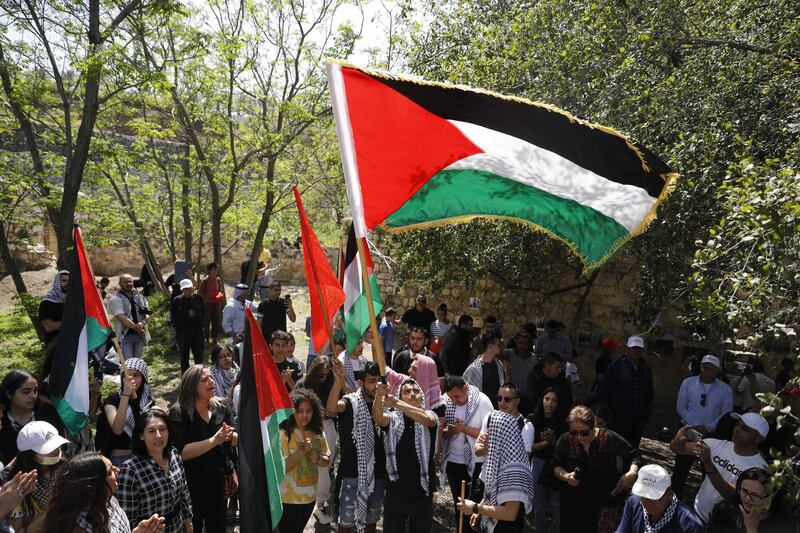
(538, 382)
(455, 353)
(186, 314)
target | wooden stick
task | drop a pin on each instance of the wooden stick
(373, 324)
(461, 512)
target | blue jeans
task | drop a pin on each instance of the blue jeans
(347, 502)
(132, 345)
(544, 498)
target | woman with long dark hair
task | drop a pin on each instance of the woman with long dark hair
(205, 437)
(319, 379)
(548, 430)
(121, 410)
(153, 481)
(82, 499)
(304, 449)
(20, 404)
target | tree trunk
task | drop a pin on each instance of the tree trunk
(19, 283)
(581, 301)
(73, 175)
(187, 218)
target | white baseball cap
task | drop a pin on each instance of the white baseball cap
(754, 421)
(635, 342)
(39, 436)
(713, 359)
(652, 483)
(186, 284)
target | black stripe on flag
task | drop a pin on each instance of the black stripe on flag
(603, 153)
(69, 334)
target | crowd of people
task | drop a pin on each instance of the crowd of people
(504, 426)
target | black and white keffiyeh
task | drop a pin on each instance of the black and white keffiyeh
(224, 379)
(351, 366)
(56, 293)
(473, 397)
(422, 443)
(474, 373)
(506, 473)
(665, 519)
(144, 399)
(364, 439)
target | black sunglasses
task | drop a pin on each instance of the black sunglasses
(703, 398)
(581, 432)
(507, 399)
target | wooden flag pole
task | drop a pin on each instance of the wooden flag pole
(461, 512)
(373, 324)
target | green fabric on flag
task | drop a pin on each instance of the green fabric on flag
(356, 319)
(463, 194)
(96, 334)
(274, 463)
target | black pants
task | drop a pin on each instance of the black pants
(397, 510)
(191, 340)
(630, 429)
(208, 504)
(295, 517)
(683, 464)
(456, 473)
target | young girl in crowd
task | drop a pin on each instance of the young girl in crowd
(548, 430)
(224, 370)
(20, 404)
(153, 481)
(40, 450)
(304, 449)
(204, 435)
(122, 410)
(82, 500)
(320, 380)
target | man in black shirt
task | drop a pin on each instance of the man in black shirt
(455, 352)
(419, 316)
(409, 452)
(186, 314)
(52, 306)
(417, 340)
(362, 468)
(274, 311)
(487, 372)
(290, 370)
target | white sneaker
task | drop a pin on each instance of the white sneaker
(322, 515)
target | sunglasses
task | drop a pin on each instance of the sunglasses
(507, 399)
(580, 432)
(703, 398)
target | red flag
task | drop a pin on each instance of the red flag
(324, 290)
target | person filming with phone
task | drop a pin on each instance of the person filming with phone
(274, 310)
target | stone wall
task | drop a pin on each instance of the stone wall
(603, 315)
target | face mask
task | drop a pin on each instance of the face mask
(47, 460)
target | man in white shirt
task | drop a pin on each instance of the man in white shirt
(465, 409)
(722, 460)
(702, 401)
(508, 400)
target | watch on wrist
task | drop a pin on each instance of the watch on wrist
(475, 508)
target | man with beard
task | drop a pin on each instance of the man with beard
(362, 467)
(417, 340)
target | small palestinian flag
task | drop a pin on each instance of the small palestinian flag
(84, 327)
(263, 406)
(418, 154)
(356, 310)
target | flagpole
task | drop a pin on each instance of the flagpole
(373, 324)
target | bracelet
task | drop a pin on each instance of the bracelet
(126, 395)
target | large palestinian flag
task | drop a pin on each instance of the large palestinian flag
(264, 404)
(84, 327)
(418, 154)
(356, 309)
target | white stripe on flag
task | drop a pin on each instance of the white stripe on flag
(77, 395)
(521, 161)
(352, 284)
